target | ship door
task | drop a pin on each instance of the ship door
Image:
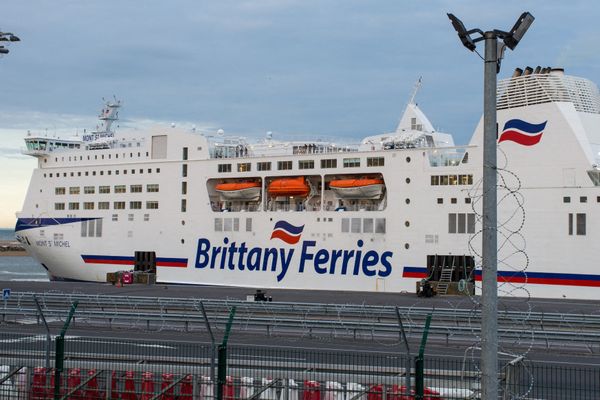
(145, 261)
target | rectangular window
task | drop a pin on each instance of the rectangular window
(345, 225)
(583, 199)
(74, 190)
(120, 188)
(99, 227)
(435, 180)
(380, 225)
(581, 224)
(185, 153)
(104, 189)
(59, 206)
(89, 189)
(236, 224)
(73, 206)
(135, 188)
(461, 223)
(135, 205)
(444, 180)
(146, 217)
(471, 223)
(283, 165)
(248, 224)
(115, 217)
(91, 227)
(103, 205)
(452, 180)
(224, 168)
(152, 205)
(227, 225)
(129, 217)
(244, 167)
(218, 224)
(88, 205)
(119, 205)
(375, 161)
(152, 188)
(183, 205)
(355, 225)
(183, 187)
(263, 166)
(83, 228)
(59, 190)
(452, 223)
(351, 162)
(329, 163)
(368, 225)
(306, 164)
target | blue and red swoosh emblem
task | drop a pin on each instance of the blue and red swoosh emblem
(287, 232)
(524, 133)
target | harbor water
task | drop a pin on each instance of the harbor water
(19, 268)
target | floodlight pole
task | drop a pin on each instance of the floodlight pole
(489, 287)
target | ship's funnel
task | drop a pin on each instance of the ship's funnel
(518, 72)
(528, 71)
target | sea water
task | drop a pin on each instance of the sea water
(19, 268)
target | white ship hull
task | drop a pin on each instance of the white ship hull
(429, 210)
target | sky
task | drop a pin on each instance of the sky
(340, 69)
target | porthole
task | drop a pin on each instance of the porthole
(407, 159)
(407, 223)
(407, 201)
(407, 180)
(406, 246)
(182, 222)
(182, 241)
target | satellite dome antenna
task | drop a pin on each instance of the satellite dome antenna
(220, 132)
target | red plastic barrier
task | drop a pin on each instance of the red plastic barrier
(186, 390)
(375, 393)
(38, 384)
(129, 391)
(167, 380)
(229, 389)
(92, 391)
(398, 393)
(73, 381)
(311, 391)
(147, 386)
(114, 382)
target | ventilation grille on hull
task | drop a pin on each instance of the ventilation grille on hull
(546, 85)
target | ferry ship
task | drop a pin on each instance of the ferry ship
(397, 210)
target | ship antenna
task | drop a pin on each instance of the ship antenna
(415, 90)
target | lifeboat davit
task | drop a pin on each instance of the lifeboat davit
(249, 191)
(289, 187)
(358, 188)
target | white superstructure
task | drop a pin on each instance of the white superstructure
(377, 216)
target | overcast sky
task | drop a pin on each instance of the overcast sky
(340, 69)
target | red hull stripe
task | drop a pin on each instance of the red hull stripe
(123, 260)
(521, 138)
(286, 237)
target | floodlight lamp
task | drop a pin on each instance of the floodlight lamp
(463, 35)
(3, 38)
(14, 38)
(3, 50)
(518, 30)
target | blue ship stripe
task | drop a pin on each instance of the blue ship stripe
(31, 223)
(523, 274)
(289, 228)
(524, 126)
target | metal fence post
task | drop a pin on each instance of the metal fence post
(420, 363)
(60, 351)
(222, 355)
(213, 347)
(407, 362)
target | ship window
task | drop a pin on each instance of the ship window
(73, 206)
(184, 170)
(351, 162)
(183, 187)
(570, 223)
(467, 200)
(79, 173)
(581, 224)
(282, 165)
(451, 223)
(183, 205)
(146, 217)
(244, 167)
(72, 174)
(86, 173)
(115, 217)
(91, 227)
(452, 180)
(375, 161)
(368, 225)
(152, 188)
(89, 189)
(103, 205)
(227, 224)
(130, 217)
(470, 223)
(223, 168)
(135, 205)
(124, 172)
(444, 180)
(355, 225)
(119, 205)
(133, 172)
(380, 225)
(440, 200)
(149, 170)
(59, 206)
(51, 175)
(345, 225)
(158, 170)
(152, 205)
(135, 188)
(306, 164)
(566, 199)
(583, 199)
(74, 190)
(120, 188)
(598, 199)
(103, 189)
(453, 200)
(88, 205)
(99, 228)
(218, 224)
(58, 190)
(236, 224)
(83, 228)
(329, 163)
(263, 166)
(141, 170)
(185, 153)
(248, 224)
(461, 223)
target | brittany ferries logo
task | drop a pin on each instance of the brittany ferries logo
(234, 256)
(521, 132)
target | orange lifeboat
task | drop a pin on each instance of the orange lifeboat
(239, 190)
(358, 188)
(289, 187)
